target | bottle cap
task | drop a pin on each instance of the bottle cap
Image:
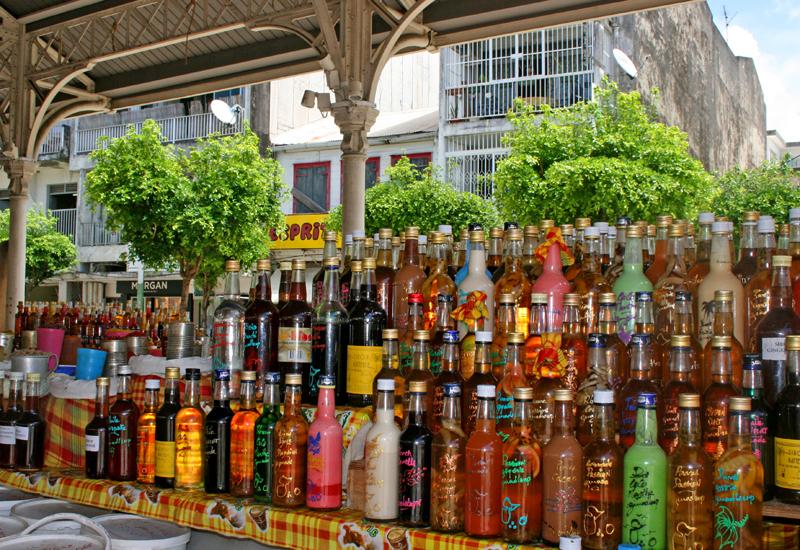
(689, 400)
(634, 231)
(422, 335)
(386, 384)
(647, 400)
(368, 263)
(719, 227)
(591, 233)
(476, 236)
(676, 230)
(124, 370)
(384, 233)
(395, 241)
(531, 231)
(450, 337)
(152, 384)
(640, 339)
(523, 394)
(330, 262)
(514, 234)
(191, 374)
(752, 361)
(572, 299)
(608, 298)
(298, 264)
(415, 298)
(602, 227)
(102, 381)
(652, 230)
(612, 232)
(486, 391)
(355, 266)
(412, 232)
(766, 224)
(663, 221)
(569, 543)
(680, 341)
(327, 381)
(583, 223)
(272, 378)
(496, 232)
(285, 266)
(794, 214)
(792, 342)
(567, 229)
(739, 404)
(14, 375)
(418, 386)
(644, 296)
(516, 338)
(359, 234)
(596, 340)
(723, 296)
(172, 373)
(390, 334)
(248, 376)
(483, 336)
(446, 229)
(721, 342)
(451, 389)
(782, 261)
(683, 296)
(36, 377)
(752, 216)
(507, 298)
(562, 394)
(348, 239)
(538, 298)
(706, 218)
(444, 298)
(603, 397)
(544, 225)
(437, 237)
(294, 379)
(264, 264)
(423, 239)
(623, 221)
(231, 266)
(222, 375)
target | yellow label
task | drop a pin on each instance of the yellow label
(363, 363)
(787, 463)
(165, 459)
(301, 231)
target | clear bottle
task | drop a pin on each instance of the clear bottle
(261, 326)
(514, 281)
(264, 439)
(689, 512)
(616, 350)
(8, 419)
(295, 323)
(444, 323)
(537, 330)
(29, 429)
(217, 431)
(190, 435)
(421, 372)
(123, 418)
(415, 460)
(350, 284)
(331, 336)
(384, 272)
(354, 286)
(449, 375)
(381, 453)
(602, 479)
(97, 434)
(562, 460)
(165, 430)
(438, 282)
(328, 251)
(146, 434)
(447, 457)
(243, 424)
(513, 378)
(291, 448)
(227, 335)
(324, 459)
(664, 289)
(787, 429)
(616, 265)
(723, 326)
(406, 334)
(716, 398)
(573, 344)
(505, 322)
(680, 367)
(645, 482)
(747, 266)
(599, 378)
(494, 257)
(738, 486)
(762, 428)
(590, 284)
(482, 375)
(640, 382)
(484, 456)
(645, 324)
(408, 278)
(631, 281)
(390, 370)
(757, 295)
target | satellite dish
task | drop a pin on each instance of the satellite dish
(224, 112)
(625, 63)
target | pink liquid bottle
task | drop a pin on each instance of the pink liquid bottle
(555, 285)
(324, 485)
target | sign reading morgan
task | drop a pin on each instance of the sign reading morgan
(301, 231)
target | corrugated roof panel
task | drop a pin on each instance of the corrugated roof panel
(19, 8)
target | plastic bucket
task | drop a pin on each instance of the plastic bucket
(129, 532)
(27, 540)
(41, 508)
(90, 363)
(10, 498)
(11, 526)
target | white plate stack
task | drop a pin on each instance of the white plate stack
(180, 340)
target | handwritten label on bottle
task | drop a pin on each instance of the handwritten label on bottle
(773, 349)
(759, 432)
(363, 363)
(7, 436)
(686, 483)
(597, 474)
(515, 472)
(294, 344)
(251, 335)
(92, 443)
(642, 500)
(436, 354)
(411, 475)
(787, 463)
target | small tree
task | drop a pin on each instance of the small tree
(603, 159)
(47, 251)
(413, 197)
(771, 188)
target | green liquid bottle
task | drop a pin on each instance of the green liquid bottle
(265, 438)
(644, 503)
(631, 281)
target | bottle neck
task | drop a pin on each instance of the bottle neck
(753, 383)
(291, 404)
(297, 289)
(513, 259)
(748, 237)
(421, 357)
(329, 249)
(477, 258)
(523, 413)
(444, 310)
(369, 285)
(689, 427)
(411, 252)
(780, 292)
(384, 408)
(793, 367)
(358, 249)
(723, 319)
(703, 243)
(101, 404)
(171, 391)
(124, 388)
(721, 364)
(415, 316)
(563, 421)
(390, 358)
(684, 318)
(416, 410)
(552, 263)
(150, 401)
(483, 357)
(384, 258)
(766, 248)
(513, 358)
(606, 323)
(438, 254)
(680, 363)
(640, 362)
(450, 357)
(646, 427)
(604, 422)
(484, 417)
(272, 396)
(221, 393)
(330, 284)
(675, 262)
(720, 259)
(15, 395)
(231, 286)
(590, 262)
(326, 402)
(739, 430)
(247, 395)
(263, 286)
(633, 254)
(191, 395)
(572, 319)
(505, 318)
(451, 412)
(538, 322)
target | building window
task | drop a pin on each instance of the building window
(312, 187)
(419, 160)
(373, 172)
(471, 161)
(62, 196)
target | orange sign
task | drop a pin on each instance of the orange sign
(301, 231)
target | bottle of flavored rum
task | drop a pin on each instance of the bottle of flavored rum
(448, 452)
(384, 272)
(514, 281)
(449, 375)
(165, 430)
(295, 327)
(505, 322)
(444, 323)
(598, 378)
(747, 265)
(616, 350)
(513, 378)
(408, 279)
(645, 325)
(484, 456)
(97, 434)
(264, 461)
(291, 442)
(317, 284)
(757, 300)
(227, 342)
(530, 241)
(537, 328)
(787, 429)
(406, 334)
(659, 264)
(553, 283)
(667, 286)
(640, 382)
(190, 435)
(438, 282)
(8, 418)
(391, 370)
(679, 383)
(716, 398)
(123, 420)
(476, 290)
(284, 284)
(738, 486)
(761, 420)
(723, 326)
(146, 434)
(29, 429)
(683, 323)
(350, 284)
(482, 375)
(382, 460)
(631, 281)
(261, 323)
(354, 286)
(421, 372)
(700, 268)
(573, 343)
(590, 284)
(415, 460)
(217, 431)
(243, 423)
(495, 254)
(330, 330)
(324, 459)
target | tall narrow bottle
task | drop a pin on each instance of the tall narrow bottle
(444, 323)
(447, 457)
(261, 327)
(599, 378)
(165, 430)
(505, 322)
(553, 283)
(631, 281)
(381, 453)
(29, 429)
(645, 325)
(438, 282)
(602, 479)
(390, 370)
(514, 281)
(482, 375)
(762, 427)
(357, 272)
(716, 398)
(146, 434)
(421, 372)
(639, 383)
(645, 482)
(295, 328)
(723, 326)
(689, 517)
(494, 258)
(384, 273)
(329, 250)
(190, 435)
(264, 440)
(324, 458)
(573, 344)
(590, 284)
(476, 291)
(562, 460)
(415, 461)
(331, 335)
(658, 267)
(227, 342)
(683, 323)
(8, 419)
(738, 486)
(123, 419)
(218, 437)
(291, 449)
(483, 470)
(664, 290)
(350, 285)
(284, 284)
(679, 383)
(513, 378)
(616, 350)
(449, 375)
(406, 334)
(787, 429)
(408, 278)
(96, 434)
(757, 296)
(747, 266)
(243, 423)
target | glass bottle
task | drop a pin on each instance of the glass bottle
(680, 367)
(553, 283)
(295, 328)
(505, 322)
(787, 429)
(484, 456)
(716, 398)
(482, 375)
(602, 479)
(573, 344)
(590, 284)
(284, 284)
(415, 460)
(450, 374)
(701, 265)
(438, 282)
(513, 378)
(408, 278)
(365, 347)
(761, 419)
(534, 342)
(146, 434)
(349, 282)
(631, 281)
(390, 371)
(123, 418)
(530, 241)
(354, 287)
(324, 459)
(384, 274)
(8, 418)
(562, 460)
(640, 382)
(447, 457)
(747, 266)
(723, 326)
(780, 321)
(165, 430)
(597, 379)
(521, 492)
(514, 281)
(616, 350)
(264, 439)
(227, 343)
(476, 290)
(96, 434)
(689, 517)
(406, 334)
(757, 295)
(645, 482)
(29, 429)
(261, 326)
(495, 253)
(330, 330)
(190, 435)
(616, 266)
(243, 424)
(329, 250)
(738, 486)
(658, 267)
(291, 448)
(382, 457)
(672, 280)
(645, 324)
(444, 323)
(217, 431)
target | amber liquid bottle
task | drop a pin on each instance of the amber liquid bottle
(787, 429)
(689, 488)
(8, 418)
(243, 425)
(494, 257)
(284, 284)
(123, 420)
(190, 435)
(757, 291)
(482, 375)
(514, 281)
(723, 326)
(448, 452)
(146, 434)
(415, 460)
(217, 431)
(659, 264)
(291, 449)
(702, 264)
(295, 328)
(29, 429)
(640, 382)
(716, 398)
(505, 322)
(165, 430)
(444, 323)
(533, 342)
(598, 379)
(384, 273)
(665, 289)
(421, 372)
(645, 324)
(390, 370)
(408, 279)
(97, 434)
(449, 375)
(616, 350)
(602, 479)
(438, 282)
(261, 326)
(513, 378)
(590, 284)
(747, 266)
(738, 486)
(350, 284)
(573, 344)
(317, 288)
(679, 383)
(562, 466)
(483, 470)
(406, 334)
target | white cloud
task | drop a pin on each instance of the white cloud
(780, 81)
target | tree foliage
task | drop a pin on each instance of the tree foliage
(771, 188)
(602, 159)
(189, 208)
(47, 251)
(413, 197)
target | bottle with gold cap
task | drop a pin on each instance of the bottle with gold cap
(747, 266)
(683, 323)
(406, 334)
(738, 486)
(689, 511)
(513, 377)
(328, 251)
(482, 375)
(291, 448)
(165, 430)
(680, 367)
(521, 491)
(514, 281)
(295, 327)
(227, 338)
(723, 326)
(146, 434)
(573, 343)
(357, 255)
(716, 398)
(530, 240)
(590, 283)
(649, 246)
(616, 265)
(284, 284)
(123, 419)
(330, 338)
(438, 282)
(700, 268)
(261, 327)
(415, 459)
(354, 288)
(243, 423)
(29, 429)
(631, 281)
(671, 280)
(449, 374)
(444, 324)
(384, 271)
(421, 372)
(408, 278)
(381, 456)
(476, 291)
(447, 452)
(505, 322)
(390, 370)
(787, 429)
(96, 434)
(324, 459)
(494, 255)
(598, 377)
(616, 350)
(757, 297)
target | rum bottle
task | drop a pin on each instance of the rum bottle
(552, 282)
(747, 266)
(646, 325)
(658, 267)
(438, 282)
(716, 398)
(350, 284)
(8, 418)
(590, 283)
(598, 379)
(449, 375)
(381, 454)
(701, 265)
(227, 342)
(665, 288)
(680, 383)
(757, 295)
(421, 372)
(447, 457)
(408, 279)
(514, 281)
(483, 470)
(723, 326)
(264, 439)
(261, 326)
(482, 375)
(505, 322)
(631, 281)
(787, 429)
(243, 423)
(189, 435)
(495, 254)
(573, 344)
(295, 328)
(476, 291)
(537, 329)
(291, 449)
(329, 250)
(415, 460)
(324, 458)
(406, 334)
(29, 429)
(616, 350)
(218, 437)
(513, 378)
(284, 284)
(761, 419)
(331, 334)
(384, 274)
(357, 271)
(390, 370)
(96, 434)
(444, 323)
(146, 433)
(123, 419)
(639, 383)
(165, 430)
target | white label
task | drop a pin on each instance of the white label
(92, 443)
(773, 349)
(21, 433)
(7, 436)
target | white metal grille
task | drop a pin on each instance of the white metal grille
(471, 160)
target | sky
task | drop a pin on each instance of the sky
(767, 31)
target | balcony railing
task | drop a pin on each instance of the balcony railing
(56, 143)
(66, 219)
(175, 130)
(96, 234)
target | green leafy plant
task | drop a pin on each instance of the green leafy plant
(413, 197)
(602, 159)
(47, 251)
(771, 188)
